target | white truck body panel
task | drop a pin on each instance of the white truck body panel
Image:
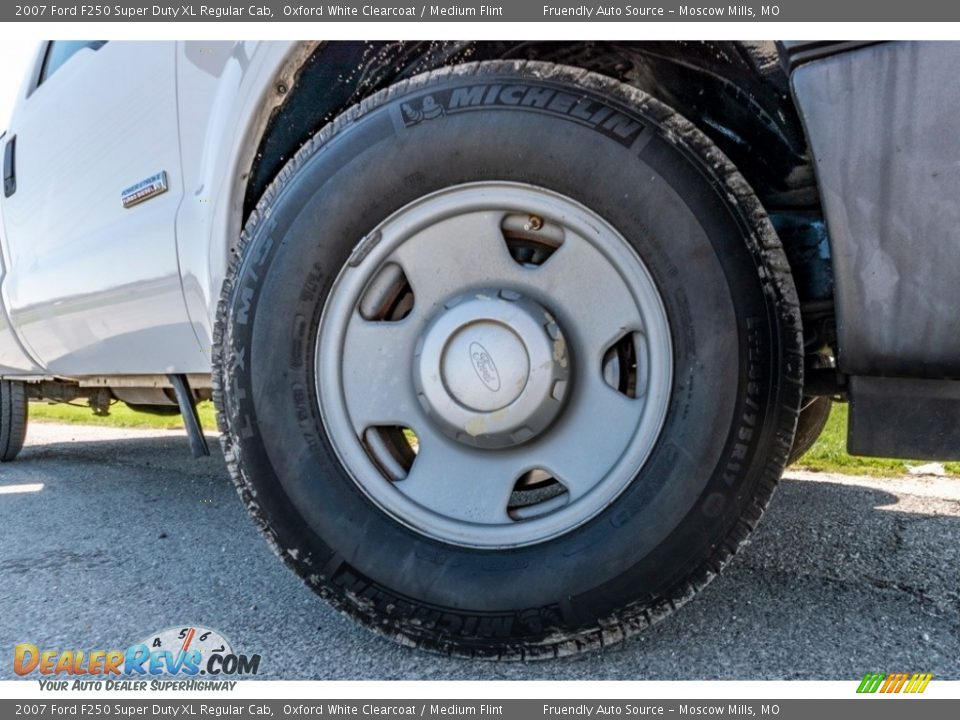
(193, 110)
(68, 233)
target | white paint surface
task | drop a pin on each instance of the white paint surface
(16, 53)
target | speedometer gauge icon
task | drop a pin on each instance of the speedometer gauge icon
(183, 639)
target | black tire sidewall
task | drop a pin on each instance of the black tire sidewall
(13, 419)
(724, 410)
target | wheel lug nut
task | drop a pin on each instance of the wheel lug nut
(534, 222)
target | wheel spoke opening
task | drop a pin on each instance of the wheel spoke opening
(535, 494)
(625, 365)
(530, 239)
(392, 448)
(388, 296)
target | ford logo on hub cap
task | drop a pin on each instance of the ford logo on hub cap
(484, 366)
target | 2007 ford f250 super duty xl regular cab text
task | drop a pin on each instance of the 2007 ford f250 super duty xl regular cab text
(509, 342)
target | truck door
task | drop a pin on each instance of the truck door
(94, 185)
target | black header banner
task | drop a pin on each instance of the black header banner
(469, 11)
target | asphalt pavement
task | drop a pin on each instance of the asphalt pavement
(107, 535)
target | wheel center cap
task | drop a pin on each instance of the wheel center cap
(485, 365)
(491, 369)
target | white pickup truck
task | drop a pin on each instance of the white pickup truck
(509, 342)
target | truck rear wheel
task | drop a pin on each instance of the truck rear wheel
(509, 361)
(13, 419)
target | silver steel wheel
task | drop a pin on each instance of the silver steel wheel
(493, 365)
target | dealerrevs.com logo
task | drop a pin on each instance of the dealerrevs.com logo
(186, 653)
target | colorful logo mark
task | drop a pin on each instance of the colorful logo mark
(894, 682)
(186, 651)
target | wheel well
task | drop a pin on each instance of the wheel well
(735, 92)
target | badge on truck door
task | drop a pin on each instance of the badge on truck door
(144, 190)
